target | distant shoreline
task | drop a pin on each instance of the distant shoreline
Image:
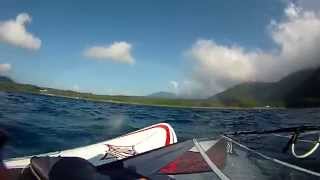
(11, 86)
(159, 105)
(130, 100)
(282, 94)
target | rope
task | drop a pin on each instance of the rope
(213, 167)
(299, 129)
(289, 137)
(308, 153)
(298, 168)
(293, 139)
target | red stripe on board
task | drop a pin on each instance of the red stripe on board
(163, 126)
(167, 133)
(192, 162)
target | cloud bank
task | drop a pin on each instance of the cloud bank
(14, 32)
(4, 68)
(217, 67)
(118, 52)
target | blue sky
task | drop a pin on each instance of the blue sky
(160, 35)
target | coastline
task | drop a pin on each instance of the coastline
(134, 100)
(160, 105)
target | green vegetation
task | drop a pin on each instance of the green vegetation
(300, 89)
(163, 94)
(11, 86)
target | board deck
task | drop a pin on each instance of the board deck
(140, 141)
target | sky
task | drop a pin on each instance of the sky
(191, 48)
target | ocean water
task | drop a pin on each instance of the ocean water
(38, 123)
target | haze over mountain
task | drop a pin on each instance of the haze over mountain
(163, 94)
(299, 89)
(307, 94)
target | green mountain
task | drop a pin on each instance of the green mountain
(162, 94)
(4, 79)
(7, 84)
(306, 94)
(296, 89)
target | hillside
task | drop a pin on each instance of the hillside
(4, 79)
(298, 87)
(10, 86)
(7, 84)
(307, 94)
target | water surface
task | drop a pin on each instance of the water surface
(38, 123)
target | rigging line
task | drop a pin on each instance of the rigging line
(311, 151)
(300, 129)
(298, 168)
(289, 137)
(213, 167)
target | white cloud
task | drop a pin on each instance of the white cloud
(4, 68)
(175, 86)
(217, 67)
(292, 11)
(117, 51)
(298, 38)
(14, 32)
(75, 87)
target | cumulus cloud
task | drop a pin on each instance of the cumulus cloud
(117, 52)
(14, 32)
(4, 68)
(217, 67)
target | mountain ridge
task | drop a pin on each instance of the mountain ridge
(278, 93)
(6, 79)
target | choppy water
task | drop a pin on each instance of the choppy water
(38, 124)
